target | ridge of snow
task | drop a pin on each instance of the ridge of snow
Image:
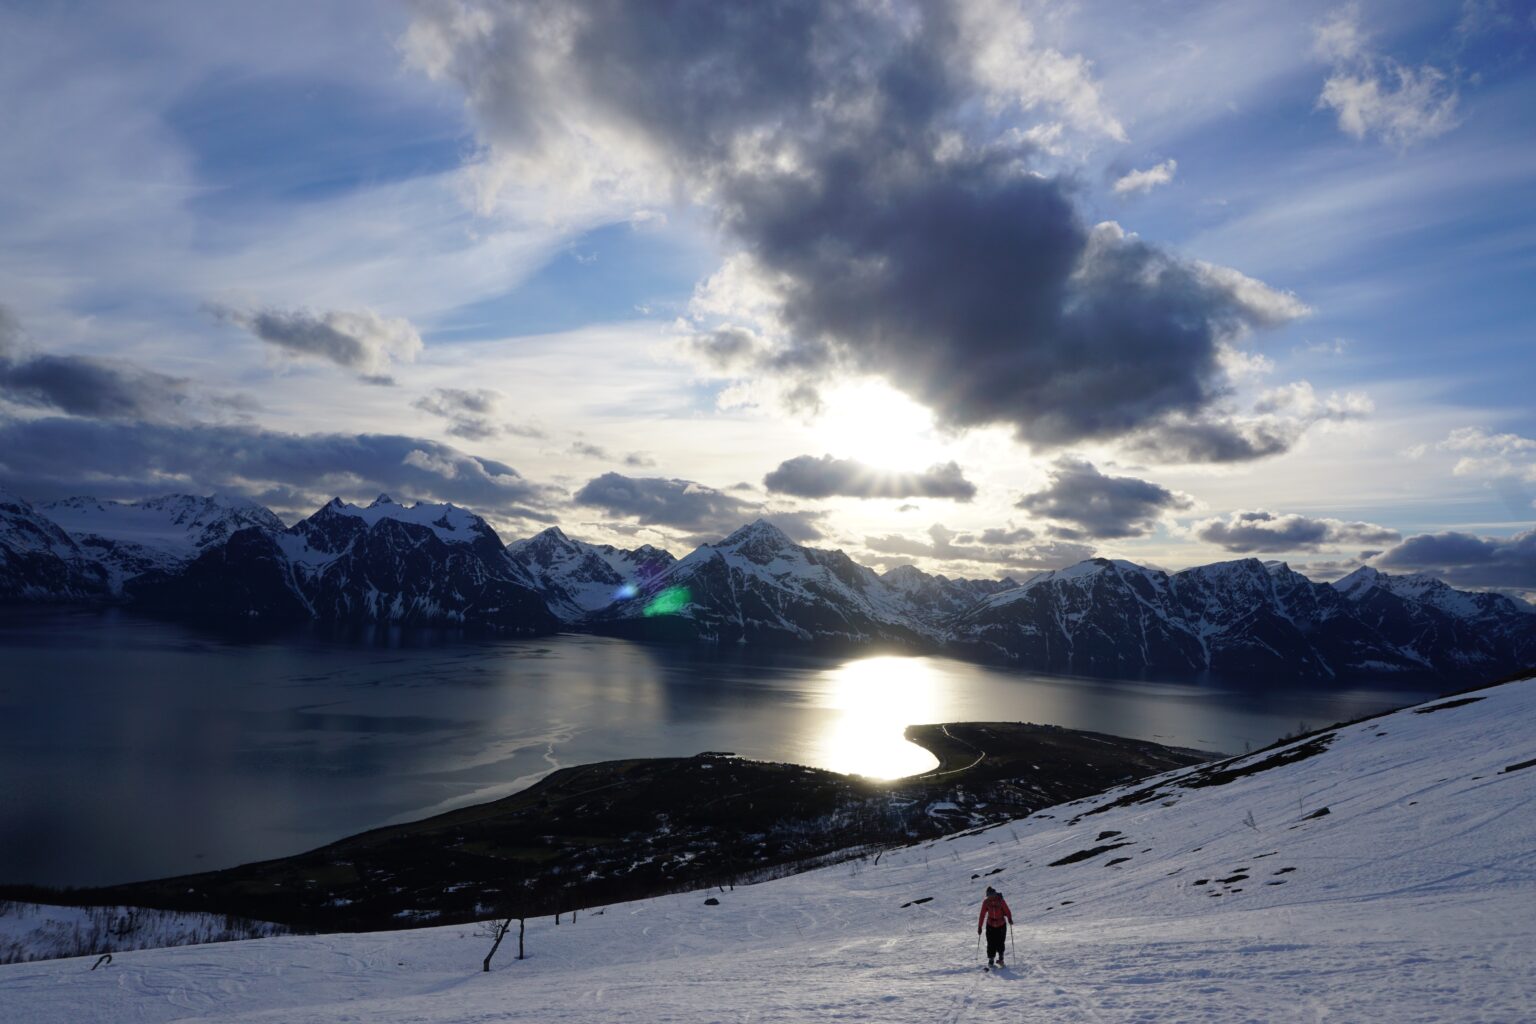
(451, 523)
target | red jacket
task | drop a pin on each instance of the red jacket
(993, 910)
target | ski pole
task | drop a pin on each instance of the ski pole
(978, 945)
(1010, 939)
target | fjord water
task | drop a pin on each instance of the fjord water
(132, 749)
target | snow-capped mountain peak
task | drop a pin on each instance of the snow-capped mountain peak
(452, 524)
(760, 541)
(1359, 583)
(579, 578)
(160, 533)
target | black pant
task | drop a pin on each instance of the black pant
(995, 938)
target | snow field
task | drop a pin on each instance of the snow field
(1412, 900)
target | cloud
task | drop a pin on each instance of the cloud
(84, 385)
(808, 477)
(53, 457)
(1261, 531)
(1006, 547)
(1494, 456)
(476, 415)
(659, 501)
(1100, 506)
(1278, 419)
(1466, 560)
(1147, 180)
(887, 214)
(706, 514)
(1374, 95)
(802, 525)
(361, 341)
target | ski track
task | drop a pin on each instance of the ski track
(1414, 901)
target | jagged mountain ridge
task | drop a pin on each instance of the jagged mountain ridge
(1244, 616)
(40, 562)
(759, 586)
(431, 564)
(384, 563)
(128, 539)
(578, 578)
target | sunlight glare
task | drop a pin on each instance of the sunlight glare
(874, 700)
(872, 422)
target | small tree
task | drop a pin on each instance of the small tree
(496, 931)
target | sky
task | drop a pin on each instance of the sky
(986, 286)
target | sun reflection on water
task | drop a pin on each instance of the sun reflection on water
(870, 702)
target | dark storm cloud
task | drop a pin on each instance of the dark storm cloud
(362, 341)
(54, 457)
(895, 227)
(1210, 440)
(1466, 560)
(82, 385)
(1010, 548)
(659, 501)
(1100, 506)
(1261, 531)
(475, 415)
(806, 476)
(706, 514)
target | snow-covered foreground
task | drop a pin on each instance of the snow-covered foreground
(1412, 899)
(29, 931)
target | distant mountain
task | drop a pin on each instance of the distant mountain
(40, 562)
(758, 586)
(578, 579)
(933, 600)
(1453, 631)
(226, 560)
(129, 539)
(387, 563)
(1240, 617)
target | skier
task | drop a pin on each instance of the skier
(994, 912)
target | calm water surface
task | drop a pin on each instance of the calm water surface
(133, 749)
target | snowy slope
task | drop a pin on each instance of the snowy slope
(164, 533)
(1227, 896)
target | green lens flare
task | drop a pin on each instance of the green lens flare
(668, 602)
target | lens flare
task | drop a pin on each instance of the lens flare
(670, 601)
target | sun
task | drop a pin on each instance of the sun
(875, 424)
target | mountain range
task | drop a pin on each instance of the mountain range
(222, 560)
